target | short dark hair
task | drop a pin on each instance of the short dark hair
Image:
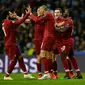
(66, 12)
(4, 13)
(59, 9)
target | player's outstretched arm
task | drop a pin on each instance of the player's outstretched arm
(18, 18)
(18, 22)
(39, 20)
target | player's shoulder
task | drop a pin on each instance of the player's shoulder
(49, 13)
(70, 18)
(7, 21)
(50, 16)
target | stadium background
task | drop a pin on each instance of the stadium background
(25, 31)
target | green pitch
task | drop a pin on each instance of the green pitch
(19, 80)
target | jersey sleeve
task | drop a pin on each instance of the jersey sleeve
(18, 22)
(69, 24)
(38, 20)
(72, 26)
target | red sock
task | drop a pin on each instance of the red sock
(75, 65)
(45, 64)
(65, 64)
(70, 66)
(12, 65)
(55, 67)
(22, 65)
(50, 64)
(39, 67)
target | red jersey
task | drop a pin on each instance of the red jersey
(9, 29)
(69, 28)
(49, 24)
(64, 41)
(38, 29)
(59, 20)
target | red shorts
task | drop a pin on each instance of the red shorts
(64, 45)
(12, 51)
(47, 44)
(56, 51)
(57, 45)
(37, 46)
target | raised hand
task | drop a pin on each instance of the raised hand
(14, 15)
(28, 9)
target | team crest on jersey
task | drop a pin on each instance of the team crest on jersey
(67, 25)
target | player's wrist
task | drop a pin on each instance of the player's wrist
(30, 13)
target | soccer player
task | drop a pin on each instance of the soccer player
(66, 15)
(71, 53)
(38, 37)
(64, 29)
(9, 27)
(59, 19)
(48, 39)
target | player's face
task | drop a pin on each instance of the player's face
(57, 13)
(12, 16)
(40, 12)
(66, 13)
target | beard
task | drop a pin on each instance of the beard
(11, 18)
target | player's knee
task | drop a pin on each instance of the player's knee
(20, 56)
(14, 60)
(67, 57)
(64, 55)
(42, 53)
(38, 58)
(71, 54)
(53, 57)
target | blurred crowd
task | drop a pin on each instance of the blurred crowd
(25, 31)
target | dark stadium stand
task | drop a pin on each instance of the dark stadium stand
(26, 35)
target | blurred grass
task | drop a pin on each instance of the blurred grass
(19, 80)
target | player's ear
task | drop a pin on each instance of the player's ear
(61, 14)
(7, 17)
